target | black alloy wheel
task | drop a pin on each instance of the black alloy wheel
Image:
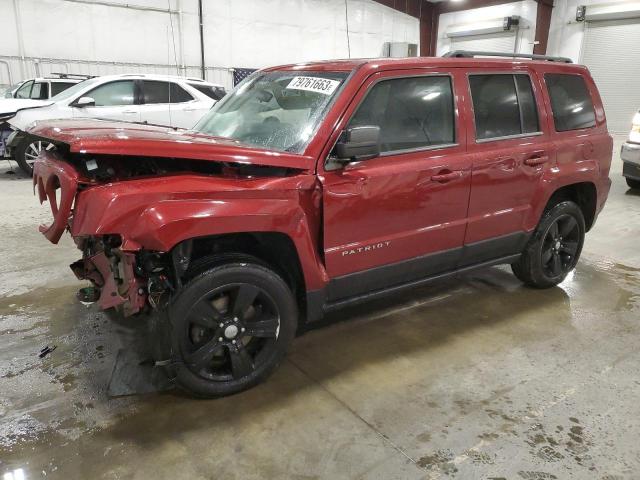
(554, 247)
(230, 326)
(230, 331)
(560, 246)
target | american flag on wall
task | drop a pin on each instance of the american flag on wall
(240, 74)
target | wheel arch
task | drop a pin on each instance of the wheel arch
(275, 250)
(584, 194)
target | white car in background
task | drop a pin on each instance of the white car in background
(43, 88)
(32, 93)
(155, 99)
(630, 154)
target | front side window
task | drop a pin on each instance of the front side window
(570, 102)
(155, 91)
(503, 105)
(121, 92)
(412, 113)
(278, 110)
(39, 91)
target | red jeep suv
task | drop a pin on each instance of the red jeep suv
(315, 186)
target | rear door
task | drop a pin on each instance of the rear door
(167, 103)
(511, 148)
(402, 215)
(114, 101)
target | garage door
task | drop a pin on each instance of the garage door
(496, 42)
(611, 50)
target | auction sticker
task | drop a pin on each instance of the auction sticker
(313, 84)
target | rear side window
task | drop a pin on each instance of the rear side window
(415, 112)
(213, 92)
(570, 102)
(57, 87)
(503, 105)
(164, 92)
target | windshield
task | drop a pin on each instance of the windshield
(277, 110)
(11, 89)
(71, 91)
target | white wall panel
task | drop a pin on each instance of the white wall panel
(566, 36)
(526, 10)
(613, 68)
(267, 32)
(238, 33)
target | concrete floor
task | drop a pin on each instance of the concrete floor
(474, 379)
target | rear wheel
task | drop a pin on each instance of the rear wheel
(231, 327)
(633, 183)
(554, 248)
(28, 150)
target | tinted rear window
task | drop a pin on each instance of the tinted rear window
(503, 105)
(213, 92)
(57, 87)
(570, 102)
(164, 92)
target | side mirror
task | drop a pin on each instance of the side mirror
(84, 102)
(358, 143)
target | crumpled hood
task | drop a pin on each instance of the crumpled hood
(131, 139)
(12, 105)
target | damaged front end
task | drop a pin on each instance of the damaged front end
(128, 281)
(112, 273)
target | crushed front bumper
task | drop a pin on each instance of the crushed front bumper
(114, 276)
(50, 175)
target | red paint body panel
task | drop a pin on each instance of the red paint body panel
(394, 199)
(390, 202)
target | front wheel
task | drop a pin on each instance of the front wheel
(28, 150)
(231, 327)
(554, 248)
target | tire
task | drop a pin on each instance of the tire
(27, 151)
(230, 327)
(555, 247)
(632, 183)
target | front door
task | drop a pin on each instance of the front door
(400, 216)
(114, 101)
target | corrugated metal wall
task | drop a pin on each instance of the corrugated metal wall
(100, 37)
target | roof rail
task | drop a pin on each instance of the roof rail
(72, 75)
(472, 54)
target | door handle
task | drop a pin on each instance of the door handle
(536, 161)
(446, 176)
(129, 112)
